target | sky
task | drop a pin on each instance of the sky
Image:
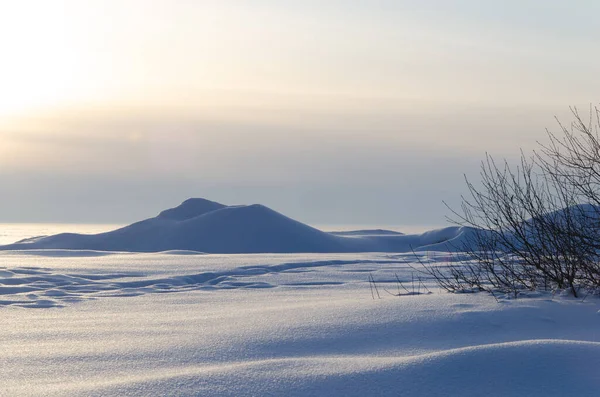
(332, 112)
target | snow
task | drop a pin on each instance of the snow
(205, 226)
(185, 323)
(367, 232)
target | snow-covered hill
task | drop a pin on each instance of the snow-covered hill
(206, 226)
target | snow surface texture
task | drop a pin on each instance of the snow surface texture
(188, 324)
(205, 226)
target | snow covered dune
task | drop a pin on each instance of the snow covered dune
(507, 369)
(206, 226)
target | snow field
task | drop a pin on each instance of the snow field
(299, 325)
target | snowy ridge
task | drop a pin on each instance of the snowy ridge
(365, 375)
(189, 209)
(367, 232)
(382, 376)
(205, 226)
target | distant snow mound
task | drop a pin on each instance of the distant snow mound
(453, 238)
(368, 232)
(190, 208)
(31, 239)
(199, 225)
(181, 252)
(539, 231)
(251, 229)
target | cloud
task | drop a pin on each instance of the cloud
(124, 169)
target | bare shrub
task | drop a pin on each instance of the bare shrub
(535, 225)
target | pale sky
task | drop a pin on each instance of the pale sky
(332, 112)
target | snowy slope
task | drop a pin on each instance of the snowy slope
(273, 325)
(206, 226)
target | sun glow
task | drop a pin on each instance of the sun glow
(39, 66)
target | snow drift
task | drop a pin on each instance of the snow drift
(206, 226)
(155, 324)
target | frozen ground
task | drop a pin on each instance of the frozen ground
(178, 323)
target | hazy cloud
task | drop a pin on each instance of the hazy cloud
(338, 111)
